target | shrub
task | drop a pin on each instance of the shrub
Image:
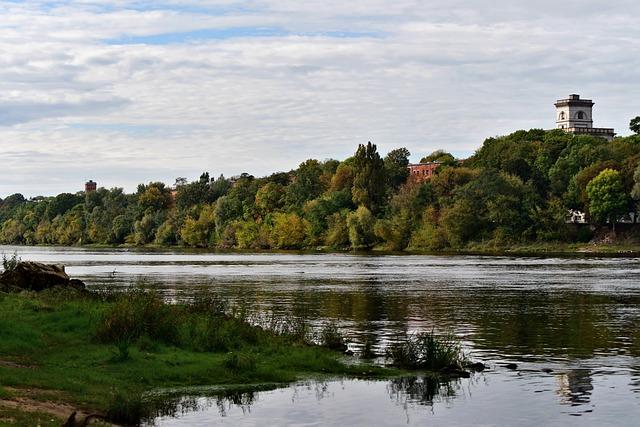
(137, 313)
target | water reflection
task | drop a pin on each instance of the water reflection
(575, 386)
(214, 407)
(421, 390)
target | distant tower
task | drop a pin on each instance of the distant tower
(574, 115)
(90, 186)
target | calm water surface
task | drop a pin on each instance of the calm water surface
(579, 317)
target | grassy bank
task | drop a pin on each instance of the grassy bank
(62, 351)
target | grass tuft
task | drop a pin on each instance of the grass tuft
(126, 410)
(427, 351)
(237, 361)
(332, 338)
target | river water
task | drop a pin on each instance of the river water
(577, 316)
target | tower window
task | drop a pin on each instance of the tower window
(580, 115)
(562, 115)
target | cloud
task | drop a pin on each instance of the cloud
(14, 112)
(130, 91)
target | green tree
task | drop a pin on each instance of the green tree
(289, 231)
(368, 184)
(395, 165)
(307, 184)
(439, 156)
(154, 197)
(460, 222)
(337, 230)
(200, 232)
(361, 228)
(634, 125)
(269, 198)
(607, 199)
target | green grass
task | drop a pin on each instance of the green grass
(91, 350)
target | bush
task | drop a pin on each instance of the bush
(426, 351)
(135, 314)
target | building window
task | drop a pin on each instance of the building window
(562, 115)
(580, 115)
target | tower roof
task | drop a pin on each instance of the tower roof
(574, 101)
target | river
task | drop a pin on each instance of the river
(571, 324)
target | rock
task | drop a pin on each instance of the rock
(511, 366)
(77, 284)
(547, 370)
(477, 366)
(36, 276)
(455, 372)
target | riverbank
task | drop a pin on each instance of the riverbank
(631, 248)
(621, 248)
(65, 350)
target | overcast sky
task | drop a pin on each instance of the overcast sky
(124, 92)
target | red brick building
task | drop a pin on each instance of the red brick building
(90, 186)
(422, 171)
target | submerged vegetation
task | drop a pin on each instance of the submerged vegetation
(515, 190)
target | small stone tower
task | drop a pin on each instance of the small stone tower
(90, 186)
(574, 115)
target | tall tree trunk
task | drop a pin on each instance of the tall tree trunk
(613, 226)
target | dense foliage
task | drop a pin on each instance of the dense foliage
(515, 189)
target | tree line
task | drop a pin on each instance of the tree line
(515, 189)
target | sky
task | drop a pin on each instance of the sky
(124, 92)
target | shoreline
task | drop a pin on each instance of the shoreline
(524, 250)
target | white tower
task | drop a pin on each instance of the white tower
(574, 112)
(574, 115)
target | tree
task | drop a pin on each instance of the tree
(395, 165)
(439, 156)
(361, 228)
(634, 125)
(154, 197)
(368, 184)
(269, 198)
(289, 231)
(307, 183)
(606, 196)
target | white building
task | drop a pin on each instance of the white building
(575, 115)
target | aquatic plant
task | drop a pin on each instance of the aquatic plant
(367, 351)
(427, 351)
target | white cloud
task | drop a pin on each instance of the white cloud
(74, 105)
